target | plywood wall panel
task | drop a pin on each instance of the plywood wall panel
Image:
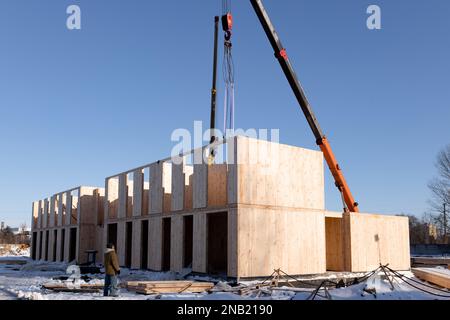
(335, 244)
(270, 239)
(217, 185)
(138, 193)
(176, 244)
(123, 196)
(121, 241)
(378, 239)
(178, 185)
(136, 246)
(200, 186)
(199, 258)
(155, 243)
(279, 175)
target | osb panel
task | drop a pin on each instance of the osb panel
(268, 239)
(217, 185)
(379, 239)
(279, 175)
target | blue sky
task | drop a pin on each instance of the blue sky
(77, 106)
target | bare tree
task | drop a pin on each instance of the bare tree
(440, 190)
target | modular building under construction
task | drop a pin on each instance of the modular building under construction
(262, 209)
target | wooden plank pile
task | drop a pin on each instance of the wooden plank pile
(430, 262)
(71, 287)
(440, 277)
(13, 262)
(155, 287)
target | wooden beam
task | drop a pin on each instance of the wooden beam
(440, 277)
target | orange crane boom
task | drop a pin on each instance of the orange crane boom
(350, 205)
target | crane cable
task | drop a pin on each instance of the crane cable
(228, 67)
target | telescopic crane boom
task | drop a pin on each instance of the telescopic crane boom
(282, 57)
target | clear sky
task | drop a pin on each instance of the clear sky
(77, 106)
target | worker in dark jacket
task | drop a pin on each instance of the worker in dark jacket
(112, 269)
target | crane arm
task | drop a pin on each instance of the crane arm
(286, 66)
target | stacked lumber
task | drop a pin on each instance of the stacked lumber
(70, 287)
(434, 262)
(440, 277)
(13, 262)
(155, 287)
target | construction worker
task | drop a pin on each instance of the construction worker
(112, 270)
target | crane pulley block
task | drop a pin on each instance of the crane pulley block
(227, 22)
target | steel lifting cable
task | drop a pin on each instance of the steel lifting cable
(228, 66)
(403, 278)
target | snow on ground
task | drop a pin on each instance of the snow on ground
(18, 250)
(24, 281)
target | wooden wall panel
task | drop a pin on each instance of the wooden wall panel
(270, 239)
(155, 243)
(34, 215)
(378, 239)
(200, 186)
(52, 214)
(156, 189)
(199, 254)
(176, 244)
(87, 238)
(51, 242)
(112, 198)
(136, 246)
(138, 193)
(121, 239)
(232, 244)
(45, 213)
(38, 245)
(217, 185)
(178, 186)
(167, 186)
(68, 208)
(188, 191)
(123, 196)
(61, 209)
(40, 214)
(67, 245)
(334, 233)
(58, 245)
(279, 175)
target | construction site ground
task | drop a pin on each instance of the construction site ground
(22, 278)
